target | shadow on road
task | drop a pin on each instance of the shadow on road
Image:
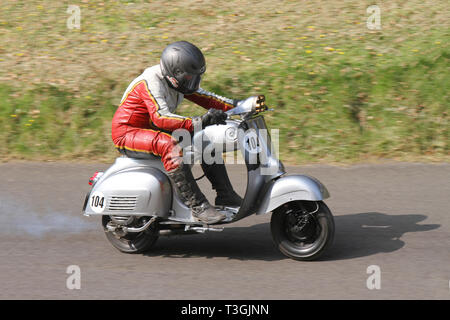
(365, 234)
(357, 235)
(241, 243)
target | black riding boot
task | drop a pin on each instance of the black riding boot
(192, 196)
(217, 175)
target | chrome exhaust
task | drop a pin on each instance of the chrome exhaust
(113, 228)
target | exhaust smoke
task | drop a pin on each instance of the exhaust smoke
(17, 218)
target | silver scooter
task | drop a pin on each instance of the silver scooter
(138, 203)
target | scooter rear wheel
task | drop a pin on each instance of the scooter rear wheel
(137, 242)
(302, 230)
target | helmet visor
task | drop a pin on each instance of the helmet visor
(190, 83)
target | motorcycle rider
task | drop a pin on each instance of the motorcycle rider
(145, 118)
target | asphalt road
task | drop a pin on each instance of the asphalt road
(394, 216)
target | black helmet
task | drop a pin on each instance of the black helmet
(182, 65)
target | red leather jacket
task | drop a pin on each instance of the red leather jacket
(149, 103)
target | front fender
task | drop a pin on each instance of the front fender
(291, 188)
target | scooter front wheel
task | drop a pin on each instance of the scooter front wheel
(137, 242)
(302, 230)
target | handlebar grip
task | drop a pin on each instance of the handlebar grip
(261, 103)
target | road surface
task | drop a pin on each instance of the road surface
(394, 216)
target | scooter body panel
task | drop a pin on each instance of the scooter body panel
(131, 187)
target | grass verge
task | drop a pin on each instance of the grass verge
(342, 93)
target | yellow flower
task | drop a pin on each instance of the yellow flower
(415, 50)
(340, 52)
(437, 42)
(13, 116)
(329, 49)
(322, 36)
(380, 54)
(308, 51)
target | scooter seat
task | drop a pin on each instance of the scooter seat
(144, 157)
